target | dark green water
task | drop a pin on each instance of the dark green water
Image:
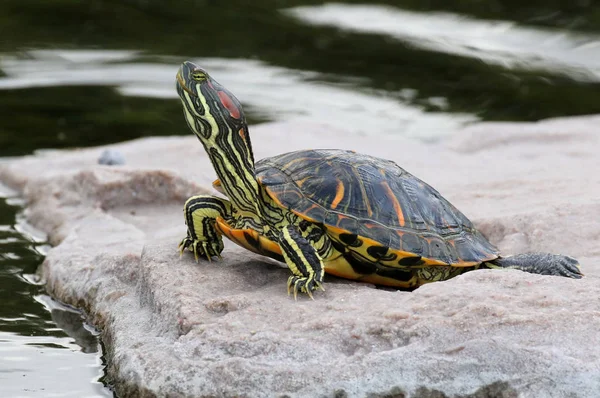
(81, 73)
(46, 349)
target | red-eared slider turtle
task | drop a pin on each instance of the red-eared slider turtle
(335, 211)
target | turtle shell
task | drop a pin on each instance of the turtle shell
(362, 197)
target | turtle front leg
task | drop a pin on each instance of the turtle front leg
(540, 263)
(200, 214)
(303, 260)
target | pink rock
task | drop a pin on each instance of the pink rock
(177, 328)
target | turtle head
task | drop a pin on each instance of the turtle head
(209, 108)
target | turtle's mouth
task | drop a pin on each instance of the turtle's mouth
(181, 83)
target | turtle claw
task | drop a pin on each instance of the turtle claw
(195, 250)
(201, 248)
(289, 284)
(310, 294)
(184, 244)
(303, 285)
(568, 266)
(560, 265)
(206, 251)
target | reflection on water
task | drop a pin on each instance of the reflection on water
(40, 334)
(498, 42)
(27, 360)
(272, 93)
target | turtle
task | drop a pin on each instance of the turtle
(331, 211)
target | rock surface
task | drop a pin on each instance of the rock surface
(175, 328)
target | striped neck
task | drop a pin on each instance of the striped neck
(232, 159)
(217, 119)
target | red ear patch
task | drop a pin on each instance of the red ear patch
(229, 105)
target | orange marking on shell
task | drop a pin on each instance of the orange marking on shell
(302, 181)
(313, 206)
(304, 216)
(339, 195)
(335, 230)
(269, 244)
(340, 218)
(224, 228)
(395, 203)
(238, 236)
(273, 195)
(291, 163)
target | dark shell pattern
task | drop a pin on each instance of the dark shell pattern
(376, 199)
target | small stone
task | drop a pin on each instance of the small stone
(111, 157)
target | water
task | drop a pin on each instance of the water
(46, 349)
(274, 93)
(78, 73)
(502, 43)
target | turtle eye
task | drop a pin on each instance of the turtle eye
(198, 76)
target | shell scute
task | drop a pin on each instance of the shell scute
(414, 243)
(347, 223)
(395, 239)
(440, 249)
(376, 232)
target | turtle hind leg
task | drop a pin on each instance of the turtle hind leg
(303, 260)
(540, 263)
(200, 213)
